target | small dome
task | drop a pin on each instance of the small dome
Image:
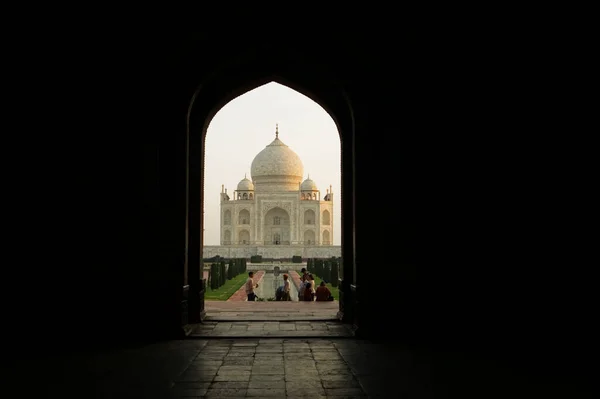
(308, 185)
(245, 185)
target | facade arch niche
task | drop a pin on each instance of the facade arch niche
(326, 219)
(227, 218)
(227, 237)
(244, 237)
(309, 216)
(277, 228)
(309, 237)
(326, 238)
(244, 217)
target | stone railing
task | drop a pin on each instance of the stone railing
(275, 243)
(272, 251)
(271, 266)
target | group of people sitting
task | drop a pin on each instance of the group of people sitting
(308, 291)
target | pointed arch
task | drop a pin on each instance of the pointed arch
(242, 73)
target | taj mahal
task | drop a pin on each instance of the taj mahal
(276, 214)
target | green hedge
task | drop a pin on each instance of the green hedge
(326, 269)
(219, 273)
(256, 259)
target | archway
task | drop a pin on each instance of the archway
(276, 227)
(256, 70)
(244, 237)
(326, 217)
(326, 238)
(309, 237)
(309, 216)
(244, 217)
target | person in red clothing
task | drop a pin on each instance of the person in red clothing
(322, 293)
(308, 294)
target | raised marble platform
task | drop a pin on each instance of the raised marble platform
(236, 311)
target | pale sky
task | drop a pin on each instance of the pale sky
(246, 125)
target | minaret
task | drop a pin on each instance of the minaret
(224, 196)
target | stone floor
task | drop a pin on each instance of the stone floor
(278, 368)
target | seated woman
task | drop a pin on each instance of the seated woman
(279, 293)
(308, 294)
(302, 287)
(322, 293)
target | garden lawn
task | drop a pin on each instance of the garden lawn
(226, 290)
(334, 290)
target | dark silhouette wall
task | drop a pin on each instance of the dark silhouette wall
(470, 265)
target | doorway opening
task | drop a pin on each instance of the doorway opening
(272, 174)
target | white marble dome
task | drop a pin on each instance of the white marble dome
(308, 185)
(277, 164)
(245, 185)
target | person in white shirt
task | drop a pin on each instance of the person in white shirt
(286, 288)
(311, 280)
(250, 286)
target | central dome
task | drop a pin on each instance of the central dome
(277, 167)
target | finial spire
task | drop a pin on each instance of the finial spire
(244, 176)
(277, 130)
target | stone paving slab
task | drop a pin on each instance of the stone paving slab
(351, 368)
(280, 368)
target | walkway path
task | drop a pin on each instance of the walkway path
(240, 295)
